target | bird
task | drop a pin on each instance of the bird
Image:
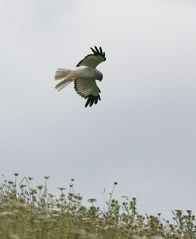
(84, 76)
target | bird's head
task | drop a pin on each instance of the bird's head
(99, 75)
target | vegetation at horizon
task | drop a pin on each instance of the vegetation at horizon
(34, 213)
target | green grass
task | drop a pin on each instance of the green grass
(28, 212)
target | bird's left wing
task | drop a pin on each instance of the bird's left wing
(88, 89)
(92, 60)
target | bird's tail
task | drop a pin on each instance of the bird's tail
(67, 76)
(61, 73)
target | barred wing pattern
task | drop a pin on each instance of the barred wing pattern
(88, 90)
(92, 60)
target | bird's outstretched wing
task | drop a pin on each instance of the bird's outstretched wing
(88, 89)
(92, 60)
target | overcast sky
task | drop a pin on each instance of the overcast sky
(142, 133)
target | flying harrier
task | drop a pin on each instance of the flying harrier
(84, 76)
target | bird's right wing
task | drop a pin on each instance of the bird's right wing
(88, 89)
(92, 60)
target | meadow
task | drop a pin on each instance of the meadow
(28, 212)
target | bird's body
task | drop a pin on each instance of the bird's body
(87, 73)
(84, 76)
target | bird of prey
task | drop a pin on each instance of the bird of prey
(84, 76)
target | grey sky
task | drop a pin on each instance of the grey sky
(143, 132)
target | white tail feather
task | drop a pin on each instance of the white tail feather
(62, 84)
(71, 76)
(61, 73)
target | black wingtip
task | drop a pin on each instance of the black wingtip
(98, 51)
(93, 51)
(91, 99)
